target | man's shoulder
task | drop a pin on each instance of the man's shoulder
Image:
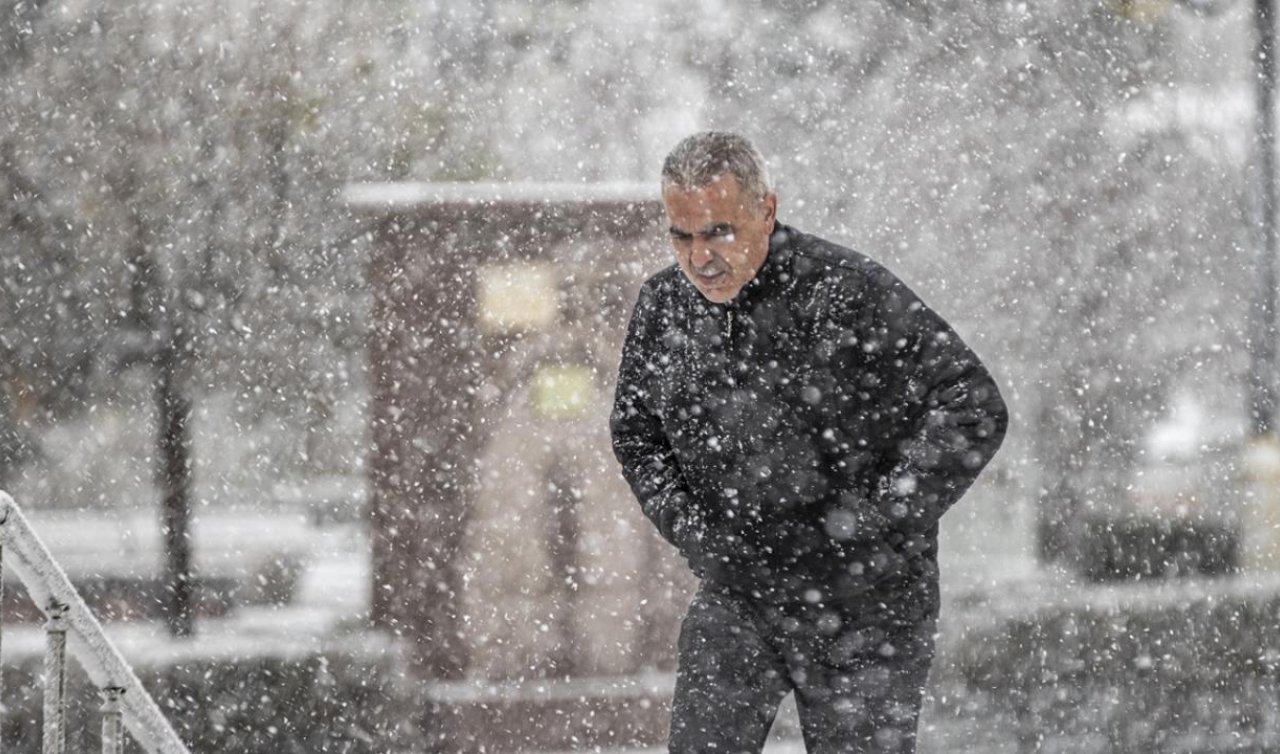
(819, 259)
(664, 282)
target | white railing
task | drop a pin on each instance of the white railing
(70, 624)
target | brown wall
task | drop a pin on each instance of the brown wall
(506, 543)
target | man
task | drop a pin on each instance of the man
(794, 421)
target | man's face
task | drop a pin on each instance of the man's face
(720, 234)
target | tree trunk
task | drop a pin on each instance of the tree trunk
(175, 451)
(167, 345)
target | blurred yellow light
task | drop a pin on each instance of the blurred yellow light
(562, 392)
(520, 296)
(1140, 10)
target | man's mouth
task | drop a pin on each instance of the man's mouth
(712, 279)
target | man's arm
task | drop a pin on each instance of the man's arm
(648, 462)
(954, 417)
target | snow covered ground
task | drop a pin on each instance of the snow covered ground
(332, 592)
(988, 572)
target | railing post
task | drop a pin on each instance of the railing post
(55, 680)
(112, 721)
(68, 614)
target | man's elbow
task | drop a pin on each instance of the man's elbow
(620, 426)
(995, 424)
(999, 409)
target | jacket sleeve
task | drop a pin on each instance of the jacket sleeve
(950, 416)
(953, 417)
(639, 443)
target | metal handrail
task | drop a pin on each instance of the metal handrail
(53, 592)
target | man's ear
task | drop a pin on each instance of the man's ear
(770, 207)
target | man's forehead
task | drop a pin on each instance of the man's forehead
(693, 206)
(700, 221)
(721, 187)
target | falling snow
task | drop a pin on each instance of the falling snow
(313, 316)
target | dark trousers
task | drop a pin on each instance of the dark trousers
(859, 682)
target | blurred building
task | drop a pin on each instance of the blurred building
(506, 545)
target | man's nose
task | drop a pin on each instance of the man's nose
(701, 256)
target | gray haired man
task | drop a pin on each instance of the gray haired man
(794, 420)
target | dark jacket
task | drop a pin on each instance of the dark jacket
(800, 442)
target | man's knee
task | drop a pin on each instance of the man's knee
(869, 702)
(729, 681)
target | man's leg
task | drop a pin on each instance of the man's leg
(864, 694)
(729, 683)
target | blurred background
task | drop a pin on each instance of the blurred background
(310, 315)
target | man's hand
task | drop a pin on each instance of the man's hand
(687, 526)
(710, 554)
(855, 516)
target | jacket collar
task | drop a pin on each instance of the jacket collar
(773, 274)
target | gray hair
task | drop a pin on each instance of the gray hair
(701, 159)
